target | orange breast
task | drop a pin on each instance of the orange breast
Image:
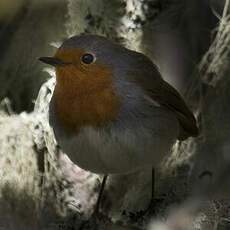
(84, 95)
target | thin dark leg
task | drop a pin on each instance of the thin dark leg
(100, 194)
(153, 199)
(153, 184)
(154, 203)
(92, 222)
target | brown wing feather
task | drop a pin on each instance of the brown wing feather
(149, 78)
(167, 96)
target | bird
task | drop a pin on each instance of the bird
(111, 110)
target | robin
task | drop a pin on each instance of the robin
(111, 111)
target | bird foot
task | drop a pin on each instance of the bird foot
(90, 224)
(153, 206)
(94, 223)
(140, 217)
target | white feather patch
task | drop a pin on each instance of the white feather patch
(153, 102)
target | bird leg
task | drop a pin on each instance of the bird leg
(154, 201)
(153, 184)
(92, 223)
(102, 187)
(151, 208)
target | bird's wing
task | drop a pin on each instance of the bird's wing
(167, 96)
(160, 91)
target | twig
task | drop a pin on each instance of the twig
(214, 63)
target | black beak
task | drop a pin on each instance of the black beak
(53, 61)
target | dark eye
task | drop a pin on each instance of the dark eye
(87, 58)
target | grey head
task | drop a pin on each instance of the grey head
(108, 53)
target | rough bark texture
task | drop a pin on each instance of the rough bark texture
(40, 188)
